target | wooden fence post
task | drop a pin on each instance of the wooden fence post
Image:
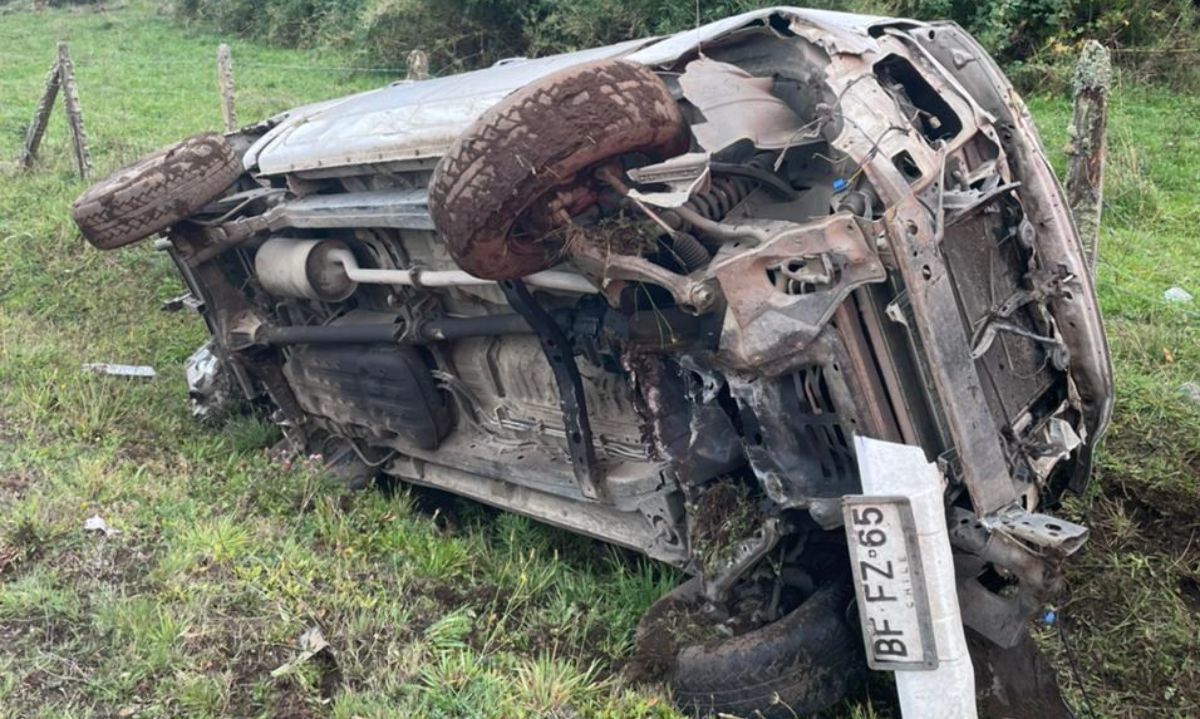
(225, 82)
(1087, 149)
(418, 66)
(41, 117)
(66, 71)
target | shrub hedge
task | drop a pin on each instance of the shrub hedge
(1032, 37)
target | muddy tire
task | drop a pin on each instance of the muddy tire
(156, 192)
(538, 139)
(797, 666)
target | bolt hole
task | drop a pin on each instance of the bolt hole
(926, 272)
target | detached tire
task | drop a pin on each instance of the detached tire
(796, 666)
(156, 192)
(535, 140)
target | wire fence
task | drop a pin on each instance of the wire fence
(204, 69)
(128, 86)
(122, 90)
(1155, 50)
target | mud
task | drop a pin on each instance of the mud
(725, 514)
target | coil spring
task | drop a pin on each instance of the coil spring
(725, 193)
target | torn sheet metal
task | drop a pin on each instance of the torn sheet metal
(1059, 439)
(210, 384)
(847, 32)
(737, 106)
(1040, 530)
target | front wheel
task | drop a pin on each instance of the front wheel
(798, 665)
(536, 143)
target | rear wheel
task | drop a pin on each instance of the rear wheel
(530, 147)
(156, 192)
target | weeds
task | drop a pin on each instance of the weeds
(224, 557)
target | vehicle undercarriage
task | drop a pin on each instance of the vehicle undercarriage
(651, 293)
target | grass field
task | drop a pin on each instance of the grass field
(223, 556)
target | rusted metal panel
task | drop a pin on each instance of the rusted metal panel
(972, 426)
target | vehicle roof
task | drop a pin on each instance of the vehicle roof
(419, 120)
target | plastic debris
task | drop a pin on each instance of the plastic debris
(1177, 295)
(1050, 617)
(96, 524)
(312, 642)
(1190, 391)
(120, 370)
(839, 184)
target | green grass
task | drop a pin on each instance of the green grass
(223, 557)
(1135, 606)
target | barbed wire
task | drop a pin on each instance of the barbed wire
(1155, 50)
(87, 62)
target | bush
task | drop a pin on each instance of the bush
(1036, 39)
(457, 34)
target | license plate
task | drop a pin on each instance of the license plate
(889, 583)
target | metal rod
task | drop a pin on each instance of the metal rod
(330, 334)
(435, 330)
(550, 279)
(453, 328)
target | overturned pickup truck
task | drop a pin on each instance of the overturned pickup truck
(654, 293)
